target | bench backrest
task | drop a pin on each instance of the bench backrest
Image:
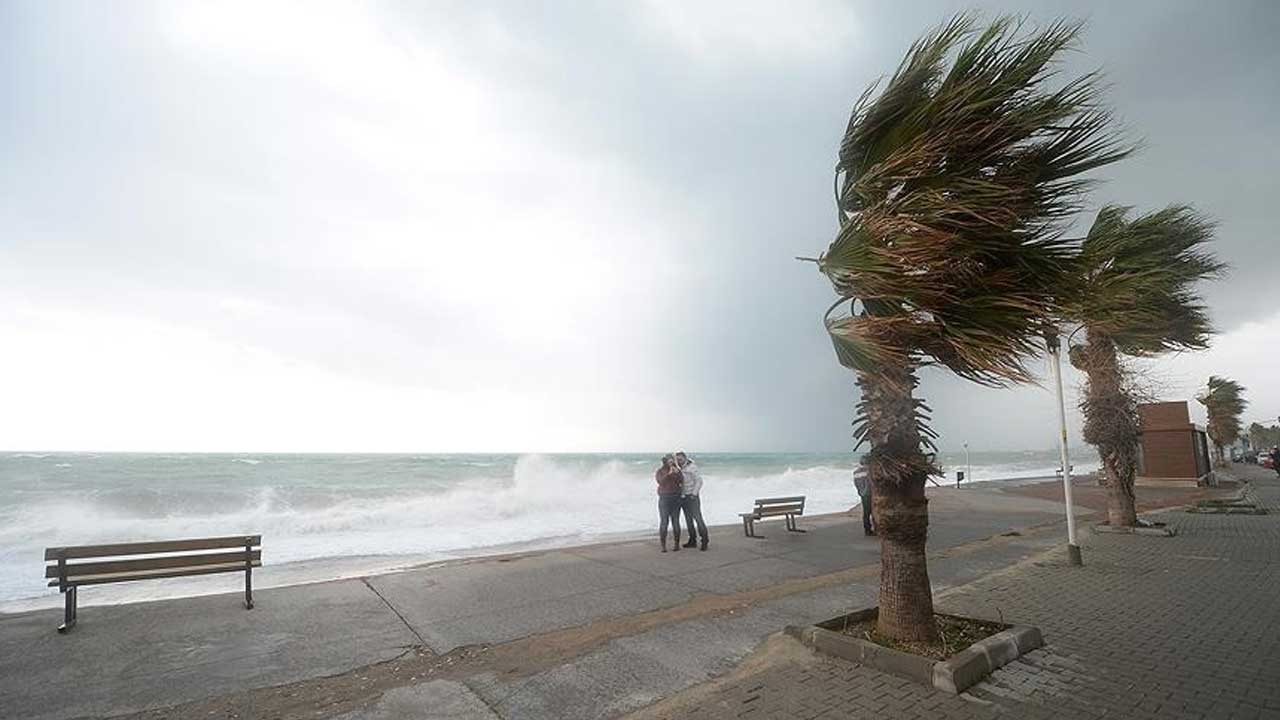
(96, 564)
(766, 507)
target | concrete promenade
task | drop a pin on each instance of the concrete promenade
(1150, 627)
(590, 632)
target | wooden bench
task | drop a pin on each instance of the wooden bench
(788, 507)
(148, 561)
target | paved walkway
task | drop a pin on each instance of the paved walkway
(588, 632)
(1150, 627)
(602, 631)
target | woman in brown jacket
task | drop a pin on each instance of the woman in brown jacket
(668, 478)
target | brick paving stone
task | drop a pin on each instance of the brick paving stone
(1150, 627)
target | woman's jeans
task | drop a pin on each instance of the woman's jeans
(669, 512)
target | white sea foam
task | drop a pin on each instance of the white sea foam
(406, 507)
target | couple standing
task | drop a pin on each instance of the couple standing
(679, 484)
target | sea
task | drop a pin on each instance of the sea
(329, 516)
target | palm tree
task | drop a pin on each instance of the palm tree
(1223, 400)
(950, 186)
(1134, 296)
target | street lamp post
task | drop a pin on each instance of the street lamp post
(1055, 366)
(968, 468)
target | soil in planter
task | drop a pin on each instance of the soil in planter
(1142, 523)
(956, 634)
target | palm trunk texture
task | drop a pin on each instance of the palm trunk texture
(1111, 425)
(898, 467)
(1220, 456)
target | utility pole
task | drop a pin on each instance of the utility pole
(1055, 366)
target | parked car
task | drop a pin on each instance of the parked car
(1265, 461)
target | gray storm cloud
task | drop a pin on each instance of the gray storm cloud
(513, 226)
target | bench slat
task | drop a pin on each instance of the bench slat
(773, 512)
(156, 574)
(75, 570)
(144, 548)
(777, 500)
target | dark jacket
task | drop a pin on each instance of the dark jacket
(668, 480)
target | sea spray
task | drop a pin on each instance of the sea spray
(371, 509)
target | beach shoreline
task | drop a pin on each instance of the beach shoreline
(334, 516)
(320, 570)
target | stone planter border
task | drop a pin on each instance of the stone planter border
(954, 675)
(1225, 509)
(1156, 530)
(1238, 504)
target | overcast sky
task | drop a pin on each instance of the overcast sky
(489, 226)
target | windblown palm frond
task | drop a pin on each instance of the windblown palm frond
(1136, 280)
(1224, 402)
(951, 186)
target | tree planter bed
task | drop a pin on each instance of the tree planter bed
(1237, 505)
(1144, 527)
(1225, 509)
(952, 675)
(1214, 502)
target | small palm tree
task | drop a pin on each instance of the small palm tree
(951, 185)
(1224, 401)
(1134, 296)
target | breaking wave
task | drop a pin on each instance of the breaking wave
(312, 508)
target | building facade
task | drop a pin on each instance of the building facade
(1172, 448)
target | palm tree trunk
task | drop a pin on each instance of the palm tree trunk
(1111, 425)
(1121, 504)
(1220, 455)
(898, 467)
(906, 596)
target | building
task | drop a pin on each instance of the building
(1172, 449)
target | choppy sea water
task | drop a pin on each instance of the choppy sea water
(329, 515)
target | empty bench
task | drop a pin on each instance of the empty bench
(71, 567)
(786, 507)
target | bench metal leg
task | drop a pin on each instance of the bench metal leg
(69, 610)
(248, 589)
(791, 524)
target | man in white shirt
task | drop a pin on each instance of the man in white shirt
(691, 489)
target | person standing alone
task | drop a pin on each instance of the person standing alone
(668, 479)
(863, 484)
(691, 489)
